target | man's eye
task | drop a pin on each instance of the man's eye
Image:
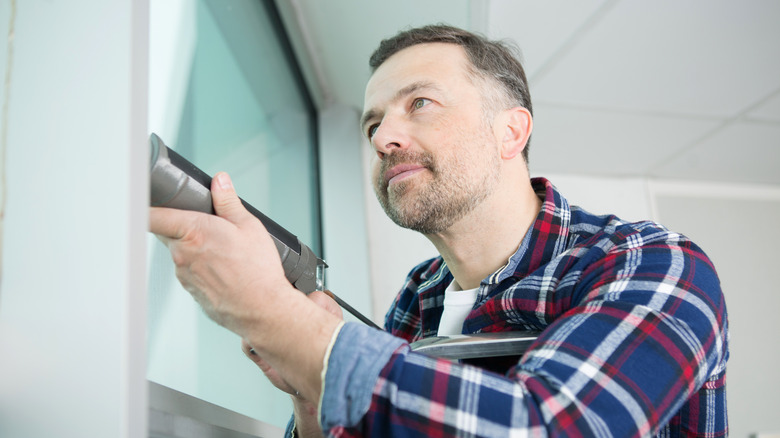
(420, 102)
(372, 130)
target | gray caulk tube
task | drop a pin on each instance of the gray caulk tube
(177, 183)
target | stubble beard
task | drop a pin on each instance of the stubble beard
(447, 195)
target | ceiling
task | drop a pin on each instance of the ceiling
(627, 88)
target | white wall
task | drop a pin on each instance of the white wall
(72, 302)
(343, 211)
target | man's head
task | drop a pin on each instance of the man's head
(493, 64)
(442, 150)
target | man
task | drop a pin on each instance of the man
(635, 329)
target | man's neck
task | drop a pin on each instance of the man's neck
(485, 239)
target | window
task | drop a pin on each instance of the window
(225, 94)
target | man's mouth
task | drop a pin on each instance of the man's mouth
(402, 171)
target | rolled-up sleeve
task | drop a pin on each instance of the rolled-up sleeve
(356, 360)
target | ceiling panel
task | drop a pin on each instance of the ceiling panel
(343, 33)
(741, 152)
(539, 29)
(715, 58)
(620, 87)
(769, 110)
(607, 143)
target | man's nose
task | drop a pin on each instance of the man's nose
(391, 135)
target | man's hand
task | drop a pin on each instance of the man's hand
(225, 261)
(230, 265)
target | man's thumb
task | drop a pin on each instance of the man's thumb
(226, 202)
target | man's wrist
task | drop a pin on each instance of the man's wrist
(325, 360)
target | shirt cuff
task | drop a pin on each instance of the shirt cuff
(325, 361)
(357, 357)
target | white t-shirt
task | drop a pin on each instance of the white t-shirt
(457, 305)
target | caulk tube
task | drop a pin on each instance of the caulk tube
(177, 183)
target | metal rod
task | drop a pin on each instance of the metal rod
(351, 310)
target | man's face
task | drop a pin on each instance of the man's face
(437, 155)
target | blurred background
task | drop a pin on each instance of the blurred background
(660, 110)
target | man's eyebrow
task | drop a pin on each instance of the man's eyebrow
(400, 94)
(368, 115)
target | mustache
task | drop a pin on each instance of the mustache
(424, 159)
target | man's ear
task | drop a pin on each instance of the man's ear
(518, 127)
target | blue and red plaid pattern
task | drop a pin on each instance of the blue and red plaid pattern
(635, 339)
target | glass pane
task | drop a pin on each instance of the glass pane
(223, 95)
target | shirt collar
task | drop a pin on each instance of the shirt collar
(549, 234)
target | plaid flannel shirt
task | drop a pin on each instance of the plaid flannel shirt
(635, 342)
